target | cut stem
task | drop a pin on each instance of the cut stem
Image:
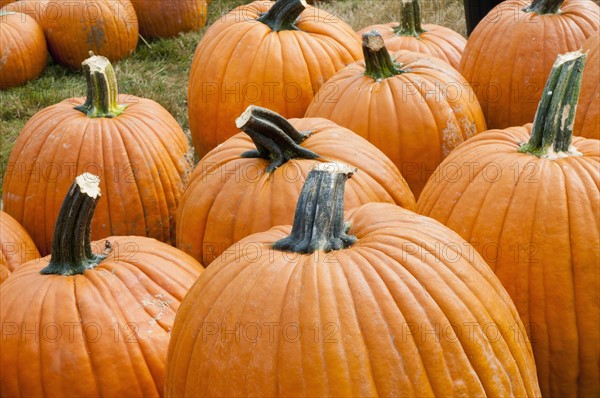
(378, 62)
(275, 138)
(543, 7)
(410, 19)
(102, 90)
(283, 15)
(71, 243)
(552, 129)
(319, 218)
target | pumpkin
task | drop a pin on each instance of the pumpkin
(5, 2)
(413, 107)
(36, 9)
(17, 246)
(275, 55)
(532, 209)
(169, 18)
(133, 143)
(430, 39)
(267, 164)
(94, 318)
(105, 27)
(22, 49)
(377, 310)
(511, 51)
(587, 121)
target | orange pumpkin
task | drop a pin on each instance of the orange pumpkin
(5, 2)
(17, 246)
(275, 55)
(133, 143)
(532, 209)
(36, 9)
(23, 51)
(430, 39)
(587, 121)
(511, 51)
(219, 206)
(376, 310)
(413, 107)
(93, 319)
(105, 27)
(169, 18)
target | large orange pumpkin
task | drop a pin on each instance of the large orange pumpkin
(510, 53)
(219, 206)
(532, 209)
(169, 18)
(133, 143)
(17, 246)
(398, 305)
(413, 107)
(587, 121)
(275, 55)
(430, 39)
(105, 27)
(23, 52)
(93, 319)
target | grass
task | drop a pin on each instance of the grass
(159, 69)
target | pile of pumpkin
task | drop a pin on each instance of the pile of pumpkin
(487, 284)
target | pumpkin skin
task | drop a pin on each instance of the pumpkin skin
(141, 155)
(22, 49)
(17, 246)
(5, 2)
(587, 122)
(240, 62)
(36, 9)
(105, 27)
(218, 208)
(340, 321)
(416, 134)
(183, 16)
(510, 53)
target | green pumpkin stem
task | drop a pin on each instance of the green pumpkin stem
(378, 62)
(542, 7)
(552, 128)
(283, 15)
(410, 19)
(275, 138)
(102, 90)
(319, 218)
(71, 243)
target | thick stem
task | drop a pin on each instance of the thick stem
(102, 90)
(542, 7)
(71, 244)
(319, 219)
(378, 62)
(283, 15)
(410, 19)
(552, 128)
(275, 138)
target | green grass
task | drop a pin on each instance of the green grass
(159, 69)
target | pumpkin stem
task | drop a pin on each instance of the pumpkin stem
(102, 91)
(319, 218)
(71, 243)
(378, 62)
(552, 129)
(542, 7)
(410, 20)
(275, 138)
(283, 15)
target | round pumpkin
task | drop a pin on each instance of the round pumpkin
(267, 164)
(169, 18)
(275, 55)
(22, 49)
(104, 27)
(511, 51)
(430, 39)
(587, 121)
(36, 9)
(133, 143)
(17, 246)
(413, 107)
(93, 319)
(376, 310)
(532, 209)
